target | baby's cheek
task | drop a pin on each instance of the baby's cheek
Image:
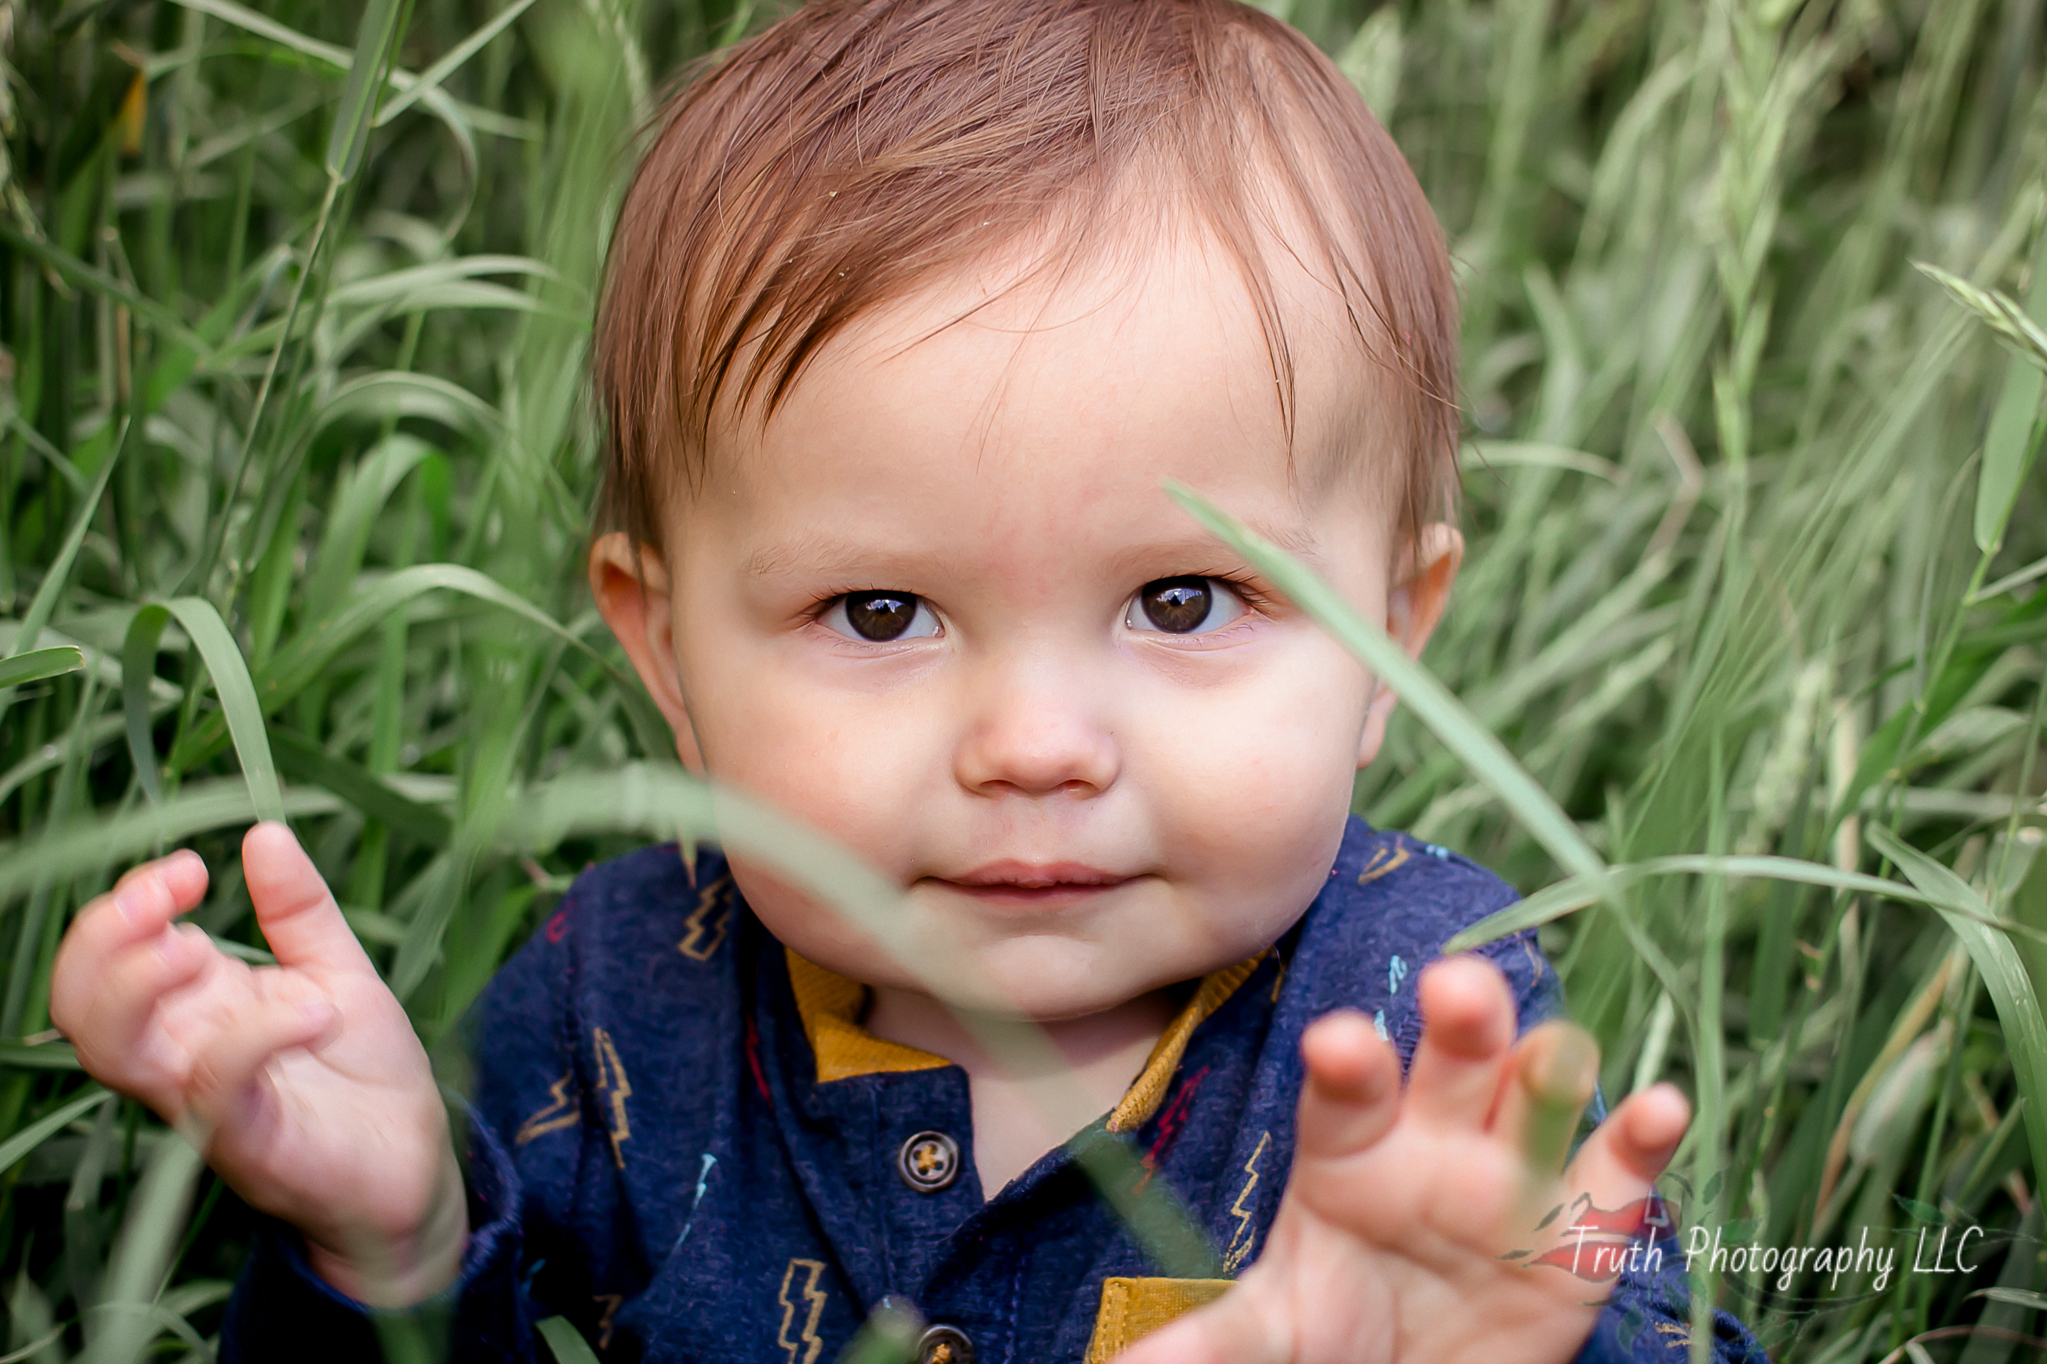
(1280, 749)
(849, 771)
(1253, 839)
(1259, 803)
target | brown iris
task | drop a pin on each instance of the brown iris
(1177, 606)
(880, 616)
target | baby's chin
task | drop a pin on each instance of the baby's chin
(1039, 995)
(1038, 977)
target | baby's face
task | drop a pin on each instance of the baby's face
(940, 607)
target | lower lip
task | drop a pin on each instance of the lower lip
(1061, 895)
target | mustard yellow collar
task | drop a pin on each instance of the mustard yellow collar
(830, 1006)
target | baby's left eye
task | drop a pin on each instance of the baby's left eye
(1184, 606)
(881, 617)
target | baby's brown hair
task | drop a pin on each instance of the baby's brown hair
(858, 149)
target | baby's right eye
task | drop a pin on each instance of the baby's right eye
(881, 617)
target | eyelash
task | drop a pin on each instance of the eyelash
(1251, 596)
(825, 601)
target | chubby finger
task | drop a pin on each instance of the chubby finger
(1620, 1162)
(223, 1074)
(1353, 1090)
(1610, 1182)
(293, 905)
(1468, 1023)
(113, 1024)
(1550, 1079)
(170, 885)
(144, 900)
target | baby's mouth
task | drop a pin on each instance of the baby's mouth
(1035, 885)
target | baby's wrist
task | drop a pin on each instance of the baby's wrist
(401, 1271)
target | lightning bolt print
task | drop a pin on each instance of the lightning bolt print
(1382, 863)
(557, 1115)
(705, 928)
(612, 1081)
(611, 1303)
(1241, 1239)
(805, 1348)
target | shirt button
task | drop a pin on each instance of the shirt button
(929, 1162)
(945, 1345)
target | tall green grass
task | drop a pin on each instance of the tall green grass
(295, 474)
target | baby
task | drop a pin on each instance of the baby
(913, 308)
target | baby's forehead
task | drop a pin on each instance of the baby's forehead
(1129, 327)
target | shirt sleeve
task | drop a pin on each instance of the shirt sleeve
(1648, 1320)
(282, 1309)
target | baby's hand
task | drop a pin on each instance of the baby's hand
(1389, 1239)
(303, 1083)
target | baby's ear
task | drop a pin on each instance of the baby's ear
(631, 585)
(1415, 603)
(1417, 598)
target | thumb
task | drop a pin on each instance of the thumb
(293, 905)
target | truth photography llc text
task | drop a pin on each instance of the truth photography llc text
(1788, 1262)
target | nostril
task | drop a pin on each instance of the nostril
(1035, 749)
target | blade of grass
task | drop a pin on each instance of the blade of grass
(439, 888)
(149, 1237)
(58, 574)
(346, 532)
(38, 664)
(563, 1342)
(432, 77)
(296, 663)
(223, 658)
(97, 281)
(42, 1129)
(351, 129)
(1996, 311)
(35, 944)
(1577, 893)
(2009, 447)
(42, 1056)
(309, 762)
(1998, 962)
(136, 832)
(450, 111)
(138, 668)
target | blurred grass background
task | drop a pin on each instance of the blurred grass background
(295, 475)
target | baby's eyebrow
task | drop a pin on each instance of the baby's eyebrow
(1196, 547)
(821, 553)
(816, 552)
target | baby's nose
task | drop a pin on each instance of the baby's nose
(1036, 738)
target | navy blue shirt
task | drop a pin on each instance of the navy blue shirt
(684, 1142)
